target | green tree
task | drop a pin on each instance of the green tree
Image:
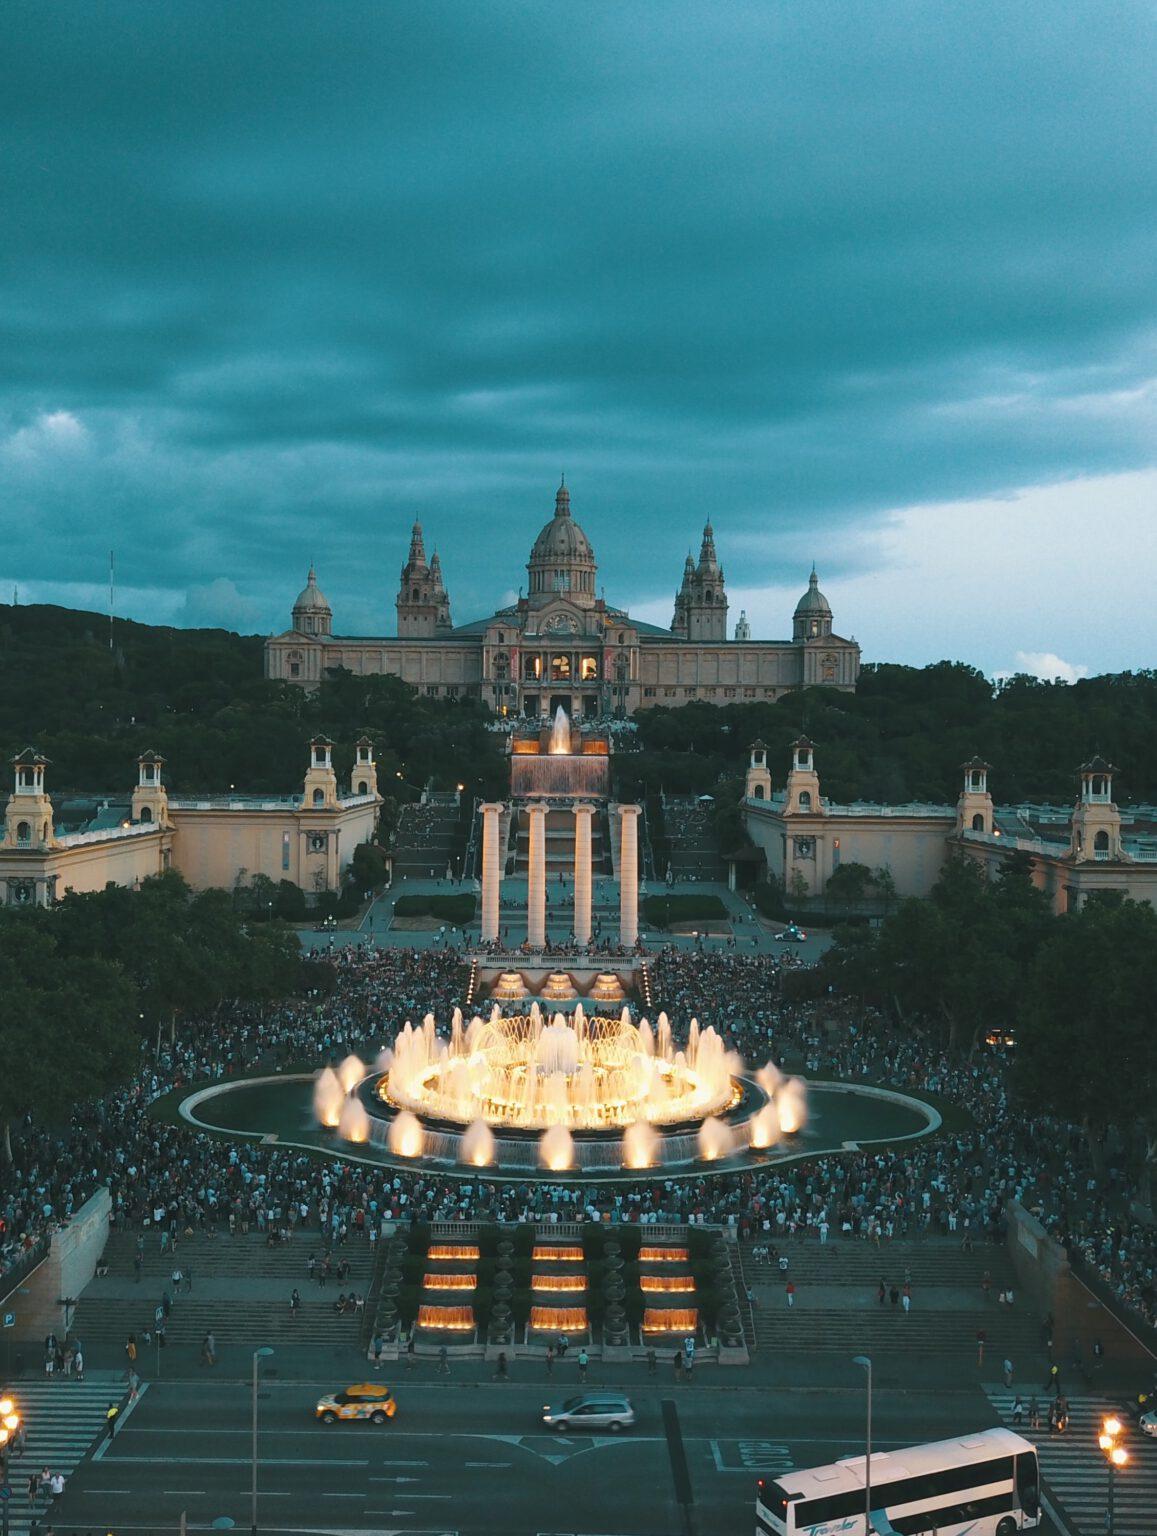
(1088, 1026)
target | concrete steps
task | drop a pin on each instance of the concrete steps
(100, 1320)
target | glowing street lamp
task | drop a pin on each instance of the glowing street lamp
(1116, 1455)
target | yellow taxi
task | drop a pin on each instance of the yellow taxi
(365, 1400)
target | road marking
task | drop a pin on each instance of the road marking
(753, 1455)
(391, 1462)
(397, 1479)
(122, 1418)
(497, 1465)
(232, 1461)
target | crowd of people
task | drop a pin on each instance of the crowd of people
(956, 1183)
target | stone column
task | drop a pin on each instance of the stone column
(629, 875)
(536, 880)
(582, 872)
(491, 871)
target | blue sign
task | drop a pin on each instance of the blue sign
(10, 1319)
(5, 1490)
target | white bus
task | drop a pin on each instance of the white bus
(986, 1484)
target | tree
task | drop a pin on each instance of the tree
(1087, 1046)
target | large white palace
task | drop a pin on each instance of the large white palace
(564, 645)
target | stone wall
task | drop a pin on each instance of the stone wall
(70, 1265)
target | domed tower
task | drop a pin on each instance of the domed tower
(562, 562)
(701, 603)
(312, 614)
(423, 603)
(813, 613)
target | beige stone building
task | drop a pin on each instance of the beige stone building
(81, 845)
(563, 644)
(1094, 846)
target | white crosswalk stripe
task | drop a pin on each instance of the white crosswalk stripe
(1074, 1470)
(63, 1419)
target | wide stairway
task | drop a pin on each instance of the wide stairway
(693, 849)
(240, 1294)
(426, 841)
(836, 1307)
(560, 843)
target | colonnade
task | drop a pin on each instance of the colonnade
(492, 868)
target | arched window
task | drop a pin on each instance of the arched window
(805, 800)
(363, 787)
(319, 797)
(978, 822)
(146, 813)
(414, 595)
(757, 792)
(23, 832)
(1101, 842)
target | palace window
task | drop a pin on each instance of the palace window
(532, 668)
(648, 693)
(590, 669)
(23, 832)
(285, 850)
(562, 581)
(317, 842)
(560, 668)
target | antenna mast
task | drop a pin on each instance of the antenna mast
(111, 593)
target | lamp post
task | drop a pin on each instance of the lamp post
(9, 1424)
(1116, 1455)
(258, 1355)
(865, 1364)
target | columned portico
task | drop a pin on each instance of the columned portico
(491, 871)
(583, 814)
(629, 876)
(536, 879)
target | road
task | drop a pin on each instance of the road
(472, 1458)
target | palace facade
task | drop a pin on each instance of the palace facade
(1072, 853)
(564, 645)
(48, 848)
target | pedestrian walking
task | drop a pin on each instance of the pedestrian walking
(550, 1359)
(131, 1348)
(188, 1279)
(111, 1415)
(652, 1361)
(1008, 1373)
(411, 1352)
(1018, 1410)
(501, 1372)
(208, 1350)
(443, 1362)
(377, 1344)
(294, 1302)
(678, 1365)
(790, 1293)
(78, 1363)
(906, 1297)
(56, 1488)
(583, 1362)
(1052, 1381)
(882, 1291)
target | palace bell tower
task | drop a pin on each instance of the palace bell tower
(423, 603)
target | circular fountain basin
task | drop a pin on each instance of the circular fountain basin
(841, 1117)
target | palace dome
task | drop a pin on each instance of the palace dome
(813, 600)
(562, 561)
(311, 598)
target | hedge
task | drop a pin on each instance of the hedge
(662, 911)
(456, 910)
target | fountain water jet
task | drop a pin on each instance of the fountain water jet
(354, 1123)
(328, 1097)
(640, 1145)
(715, 1139)
(791, 1106)
(556, 1149)
(765, 1127)
(477, 1147)
(407, 1138)
(351, 1072)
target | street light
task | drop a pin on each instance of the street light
(865, 1364)
(258, 1355)
(9, 1424)
(1116, 1455)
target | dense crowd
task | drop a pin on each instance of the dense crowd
(957, 1183)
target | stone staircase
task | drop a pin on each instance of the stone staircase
(240, 1293)
(426, 840)
(692, 848)
(836, 1307)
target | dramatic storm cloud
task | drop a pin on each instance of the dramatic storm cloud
(873, 284)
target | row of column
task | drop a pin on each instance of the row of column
(492, 861)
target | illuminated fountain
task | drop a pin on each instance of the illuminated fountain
(531, 1073)
(545, 1093)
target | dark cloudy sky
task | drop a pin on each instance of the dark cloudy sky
(870, 283)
